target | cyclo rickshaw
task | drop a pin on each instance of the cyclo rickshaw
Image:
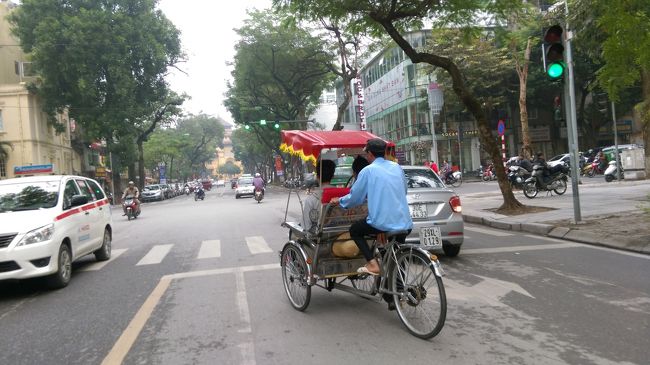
(326, 257)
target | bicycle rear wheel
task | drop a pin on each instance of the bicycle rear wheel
(294, 277)
(422, 305)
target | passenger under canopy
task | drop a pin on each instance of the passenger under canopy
(308, 144)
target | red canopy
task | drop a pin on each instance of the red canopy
(308, 144)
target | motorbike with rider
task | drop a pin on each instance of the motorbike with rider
(545, 178)
(131, 200)
(259, 185)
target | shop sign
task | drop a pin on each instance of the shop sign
(33, 169)
(539, 134)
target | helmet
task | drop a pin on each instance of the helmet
(257, 174)
(131, 183)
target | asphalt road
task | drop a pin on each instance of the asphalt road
(199, 283)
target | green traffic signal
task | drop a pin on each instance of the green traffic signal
(276, 126)
(555, 70)
(247, 127)
(262, 122)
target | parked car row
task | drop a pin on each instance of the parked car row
(160, 192)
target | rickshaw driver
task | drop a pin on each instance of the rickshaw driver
(311, 210)
(383, 184)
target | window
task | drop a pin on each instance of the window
(68, 193)
(85, 190)
(1, 124)
(95, 188)
(3, 168)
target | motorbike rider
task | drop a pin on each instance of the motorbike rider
(312, 207)
(258, 182)
(524, 163)
(445, 170)
(602, 160)
(131, 192)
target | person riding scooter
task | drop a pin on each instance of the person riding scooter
(131, 192)
(259, 183)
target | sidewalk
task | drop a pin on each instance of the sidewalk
(612, 214)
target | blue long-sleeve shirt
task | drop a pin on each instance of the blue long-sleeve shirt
(383, 184)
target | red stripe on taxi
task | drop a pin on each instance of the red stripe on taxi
(83, 208)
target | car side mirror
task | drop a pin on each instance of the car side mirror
(78, 200)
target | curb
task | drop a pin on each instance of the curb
(563, 233)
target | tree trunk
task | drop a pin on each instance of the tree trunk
(131, 171)
(644, 111)
(344, 105)
(171, 167)
(141, 165)
(117, 182)
(510, 203)
(522, 72)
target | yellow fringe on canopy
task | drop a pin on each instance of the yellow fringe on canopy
(289, 149)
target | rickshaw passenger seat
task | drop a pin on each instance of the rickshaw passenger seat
(329, 193)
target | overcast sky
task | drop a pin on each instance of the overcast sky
(208, 39)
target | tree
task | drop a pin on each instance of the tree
(103, 61)
(229, 168)
(204, 134)
(625, 32)
(394, 16)
(280, 71)
(164, 110)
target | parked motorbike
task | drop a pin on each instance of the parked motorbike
(595, 169)
(199, 194)
(259, 195)
(611, 173)
(489, 173)
(517, 176)
(557, 182)
(131, 207)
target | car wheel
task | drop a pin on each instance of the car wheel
(451, 250)
(104, 252)
(63, 274)
(236, 196)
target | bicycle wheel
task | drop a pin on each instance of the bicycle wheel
(422, 307)
(294, 277)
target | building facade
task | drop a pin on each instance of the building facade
(28, 138)
(223, 155)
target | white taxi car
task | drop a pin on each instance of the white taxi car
(47, 222)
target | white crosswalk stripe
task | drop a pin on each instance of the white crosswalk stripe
(491, 232)
(155, 255)
(257, 244)
(210, 249)
(100, 264)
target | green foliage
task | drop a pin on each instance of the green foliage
(104, 62)
(488, 70)
(229, 168)
(187, 146)
(280, 70)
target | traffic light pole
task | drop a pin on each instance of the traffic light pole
(572, 128)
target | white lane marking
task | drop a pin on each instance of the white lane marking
(155, 255)
(474, 251)
(247, 347)
(602, 248)
(491, 232)
(100, 264)
(227, 270)
(257, 244)
(210, 249)
(132, 331)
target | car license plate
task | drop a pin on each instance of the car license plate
(430, 237)
(418, 211)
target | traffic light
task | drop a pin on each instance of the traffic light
(276, 125)
(247, 127)
(557, 108)
(555, 65)
(262, 122)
